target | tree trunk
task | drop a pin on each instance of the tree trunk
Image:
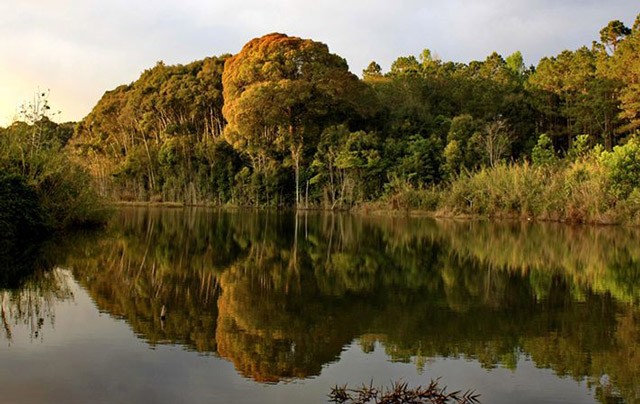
(297, 160)
(306, 198)
(295, 155)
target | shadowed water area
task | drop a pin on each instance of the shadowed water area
(274, 307)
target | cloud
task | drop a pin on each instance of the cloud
(81, 48)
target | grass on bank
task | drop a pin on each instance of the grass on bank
(594, 186)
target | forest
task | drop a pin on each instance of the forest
(284, 123)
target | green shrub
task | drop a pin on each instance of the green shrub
(623, 165)
(42, 183)
(21, 216)
(543, 153)
(579, 148)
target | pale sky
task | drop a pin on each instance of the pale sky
(78, 49)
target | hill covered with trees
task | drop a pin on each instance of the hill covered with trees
(284, 123)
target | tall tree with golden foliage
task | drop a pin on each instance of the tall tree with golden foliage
(280, 92)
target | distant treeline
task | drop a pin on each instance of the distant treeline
(285, 123)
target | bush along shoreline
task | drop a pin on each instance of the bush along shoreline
(587, 186)
(22, 216)
(41, 190)
(590, 186)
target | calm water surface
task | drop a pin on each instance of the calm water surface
(279, 308)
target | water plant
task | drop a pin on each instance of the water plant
(400, 392)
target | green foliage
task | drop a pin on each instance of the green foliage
(360, 158)
(302, 130)
(280, 92)
(543, 153)
(465, 131)
(154, 137)
(623, 164)
(576, 95)
(625, 69)
(21, 216)
(422, 162)
(56, 192)
(372, 71)
(613, 33)
(515, 63)
(580, 148)
(453, 158)
(462, 128)
(405, 65)
(327, 176)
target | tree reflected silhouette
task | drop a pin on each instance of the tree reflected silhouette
(280, 295)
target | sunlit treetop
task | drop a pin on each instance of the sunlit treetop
(281, 91)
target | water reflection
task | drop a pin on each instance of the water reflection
(32, 304)
(281, 295)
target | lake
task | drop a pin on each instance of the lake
(203, 306)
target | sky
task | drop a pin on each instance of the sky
(78, 49)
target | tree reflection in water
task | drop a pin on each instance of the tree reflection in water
(33, 303)
(280, 295)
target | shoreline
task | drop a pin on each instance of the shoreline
(383, 212)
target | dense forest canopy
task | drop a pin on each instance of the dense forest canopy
(285, 123)
(158, 133)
